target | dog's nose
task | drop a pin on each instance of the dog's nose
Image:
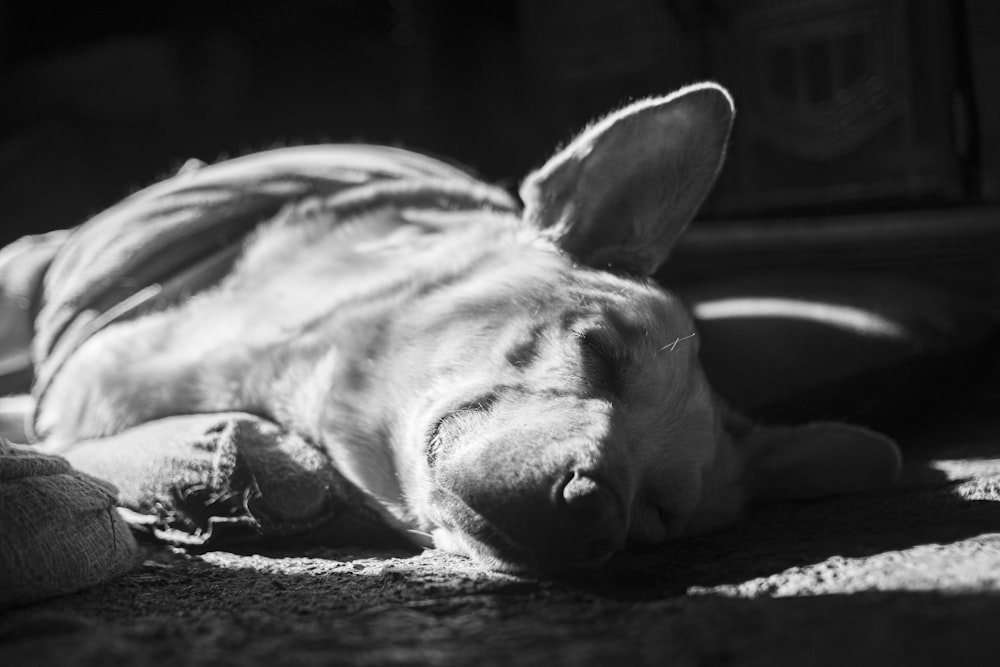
(569, 521)
(597, 522)
(522, 506)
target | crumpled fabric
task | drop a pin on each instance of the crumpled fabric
(227, 479)
(182, 235)
(59, 531)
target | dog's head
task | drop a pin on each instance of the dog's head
(560, 409)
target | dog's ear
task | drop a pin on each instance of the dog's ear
(624, 190)
(816, 460)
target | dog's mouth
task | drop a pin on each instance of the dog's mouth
(459, 529)
(515, 537)
(465, 532)
(491, 548)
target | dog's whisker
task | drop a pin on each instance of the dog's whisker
(672, 346)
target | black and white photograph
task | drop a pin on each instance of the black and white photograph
(499, 332)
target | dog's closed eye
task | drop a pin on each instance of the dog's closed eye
(604, 363)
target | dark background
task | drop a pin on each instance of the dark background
(845, 107)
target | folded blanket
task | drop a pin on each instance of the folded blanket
(60, 531)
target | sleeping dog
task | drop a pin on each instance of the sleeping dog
(505, 381)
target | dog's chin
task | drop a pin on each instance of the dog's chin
(507, 560)
(463, 545)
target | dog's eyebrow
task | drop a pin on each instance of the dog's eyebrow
(618, 330)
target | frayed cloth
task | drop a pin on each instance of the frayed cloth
(220, 480)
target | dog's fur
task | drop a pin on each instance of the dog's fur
(515, 386)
